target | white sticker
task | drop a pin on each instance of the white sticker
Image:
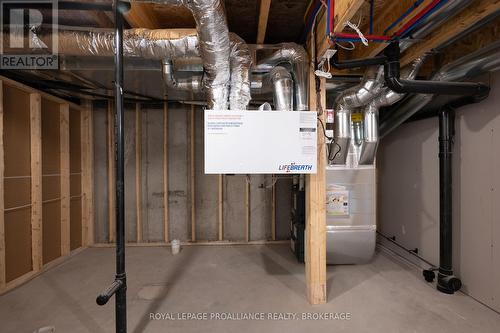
(337, 198)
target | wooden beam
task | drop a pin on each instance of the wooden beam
(36, 180)
(192, 177)
(2, 213)
(469, 16)
(65, 178)
(138, 171)
(344, 11)
(265, 5)
(315, 238)
(87, 148)
(165, 174)
(390, 13)
(220, 204)
(142, 15)
(111, 172)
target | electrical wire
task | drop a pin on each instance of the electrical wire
(332, 140)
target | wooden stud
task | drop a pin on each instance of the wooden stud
(138, 171)
(315, 237)
(344, 11)
(165, 174)
(451, 28)
(265, 5)
(273, 209)
(87, 148)
(247, 208)
(111, 172)
(192, 166)
(2, 216)
(220, 204)
(36, 180)
(65, 181)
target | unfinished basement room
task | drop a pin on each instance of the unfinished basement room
(249, 166)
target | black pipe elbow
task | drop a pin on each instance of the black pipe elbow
(437, 87)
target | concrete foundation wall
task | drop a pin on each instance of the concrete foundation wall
(409, 193)
(206, 186)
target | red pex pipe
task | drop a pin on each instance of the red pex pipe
(332, 15)
(417, 17)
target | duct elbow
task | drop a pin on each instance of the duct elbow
(297, 58)
(342, 136)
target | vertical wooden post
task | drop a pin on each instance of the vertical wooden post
(315, 245)
(273, 209)
(2, 213)
(220, 203)
(65, 181)
(165, 173)
(247, 208)
(138, 171)
(36, 180)
(87, 149)
(111, 173)
(192, 182)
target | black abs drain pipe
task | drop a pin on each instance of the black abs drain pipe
(447, 282)
(119, 286)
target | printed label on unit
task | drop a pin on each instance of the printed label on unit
(337, 201)
(260, 142)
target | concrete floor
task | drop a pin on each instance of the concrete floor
(383, 296)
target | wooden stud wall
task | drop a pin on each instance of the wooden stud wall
(35, 182)
(192, 218)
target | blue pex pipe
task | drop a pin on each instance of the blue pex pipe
(416, 24)
(402, 17)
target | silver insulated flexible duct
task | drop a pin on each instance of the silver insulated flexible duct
(296, 57)
(240, 61)
(165, 45)
(345, 103)
(211, 24)
(388, 97)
